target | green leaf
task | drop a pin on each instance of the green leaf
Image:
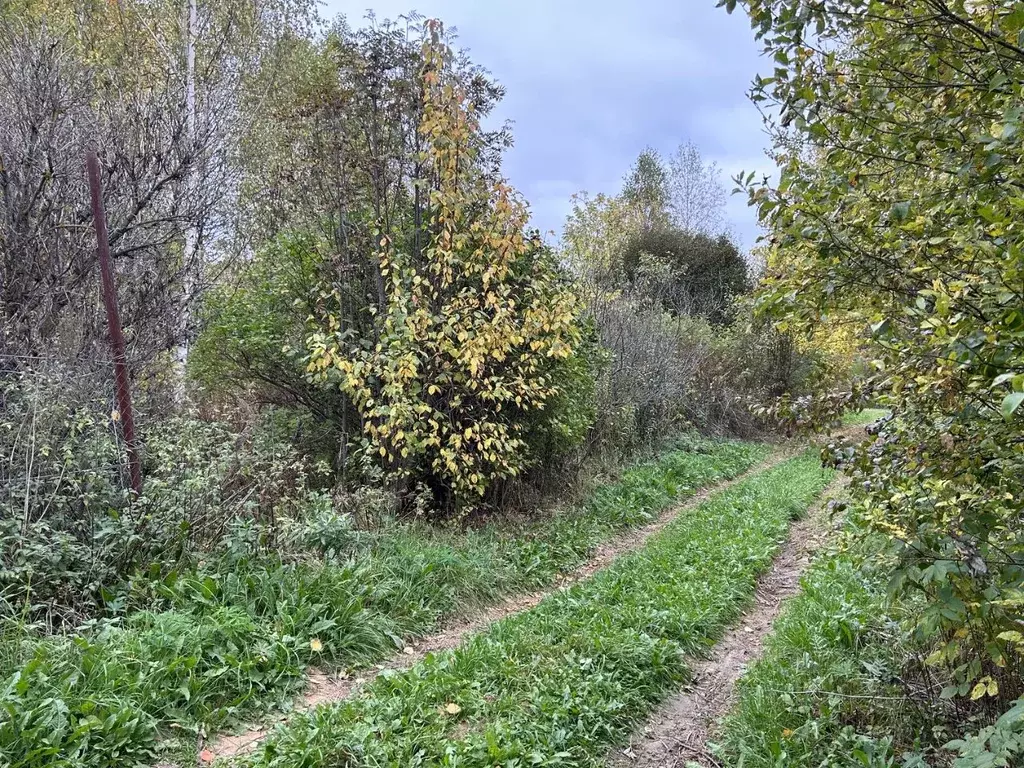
(1011, 403)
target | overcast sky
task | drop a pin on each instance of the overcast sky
(590, 83)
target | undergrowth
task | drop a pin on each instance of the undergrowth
(561, 683)
(201, 649)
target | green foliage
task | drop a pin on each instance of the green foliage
(557, 685)
(1001, 744)
(898, 209)
(331, 165)
(254, 327)
(634, 243)
(836, 684)
(689, 273)
(204, 646)
(96, 699)
(645, 189)
(665, 291)
(71, 536)
(559, 430)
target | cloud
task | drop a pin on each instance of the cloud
(591, 83)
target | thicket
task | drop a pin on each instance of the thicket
(898, 209)
(337, 317)
(670, 303)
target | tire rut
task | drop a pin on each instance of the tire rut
(328, 688)
(678, 733)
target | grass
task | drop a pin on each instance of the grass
(561, 683)
(863, 418)
(825, 693)
(234, 637)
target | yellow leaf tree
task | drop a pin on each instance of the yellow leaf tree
(475, 320)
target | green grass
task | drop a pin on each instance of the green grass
(863, 418)
(233, 638)
(823, 693)
(561, 683)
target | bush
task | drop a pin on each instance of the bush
(667, 372)
(924, 252)
(70, 532)
(251, 351)
(688, 272)
(474, 317)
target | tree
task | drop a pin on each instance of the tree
(332, 156)
(898, 209)
(687, 272)
(633, 241)
(645, 189)
(475, 315)
(595, 236)
(158, 97)
(696, 197)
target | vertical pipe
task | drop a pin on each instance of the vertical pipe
(124, 398)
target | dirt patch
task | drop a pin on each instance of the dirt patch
(677, 734)
(323, 688)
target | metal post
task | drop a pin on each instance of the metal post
(124, 397)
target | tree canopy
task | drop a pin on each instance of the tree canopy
(898, 210)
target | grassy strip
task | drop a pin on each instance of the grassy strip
(559, 684)
(235, 636)
(863, 418)
(822, 694)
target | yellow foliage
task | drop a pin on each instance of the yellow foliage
(470, 324)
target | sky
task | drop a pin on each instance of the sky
(591, 83)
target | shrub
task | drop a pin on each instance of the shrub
(688, 272)
(901, 215)
(249, 360)
(71, 534)
(472, 324)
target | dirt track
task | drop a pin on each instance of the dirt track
(677, 734)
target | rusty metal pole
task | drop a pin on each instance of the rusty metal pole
(124, 397)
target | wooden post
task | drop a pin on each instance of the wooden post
(124, 397)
